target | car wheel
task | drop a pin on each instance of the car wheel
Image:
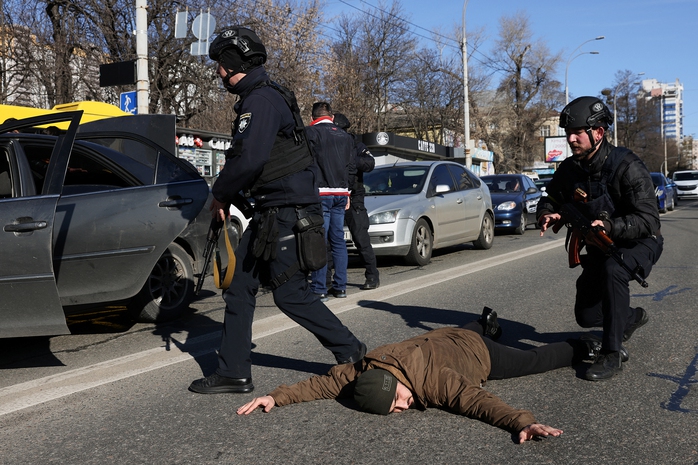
(522, 223)
(168, 290)
(422, 243)
(662, 206)
(670, 207)
(486, 238)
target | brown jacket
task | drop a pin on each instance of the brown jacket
(444, 368)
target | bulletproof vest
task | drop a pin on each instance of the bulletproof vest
(599, 202)
(288, 155)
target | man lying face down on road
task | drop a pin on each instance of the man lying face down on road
(444, 368)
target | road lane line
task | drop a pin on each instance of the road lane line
(35, 392)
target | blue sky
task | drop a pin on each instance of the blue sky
(655, 37)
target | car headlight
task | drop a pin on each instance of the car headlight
(506, 206)
(660, 192)
(383, 217)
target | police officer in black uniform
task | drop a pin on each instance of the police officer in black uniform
(356, 216)
(269, 159)
(621, 199)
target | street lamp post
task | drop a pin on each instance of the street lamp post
(572, 57)
(466, 103)
(607, 92)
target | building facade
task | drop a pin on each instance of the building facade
(670, 96)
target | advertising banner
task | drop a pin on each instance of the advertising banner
(556, 149)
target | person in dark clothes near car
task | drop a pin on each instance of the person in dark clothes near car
(613, 189)
(443, 368)
(356, 216)
(269, 159)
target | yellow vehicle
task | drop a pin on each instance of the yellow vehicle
(92, 111)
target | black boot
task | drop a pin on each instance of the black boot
(593, 345)
(605, 366)
(217, 384)
(640, 320)
(490, 327)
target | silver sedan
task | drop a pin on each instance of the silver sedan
(416, 207)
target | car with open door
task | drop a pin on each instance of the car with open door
(95, 213)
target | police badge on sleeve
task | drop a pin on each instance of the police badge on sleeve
(245, 121)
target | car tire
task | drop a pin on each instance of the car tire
(521, 229)
(422, 244)
(486, 238)
(168, 290)
(662, 210)
(670, 207)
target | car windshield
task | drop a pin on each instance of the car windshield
(395, 180)
(686, 176)
(657, 179)
(502, 183)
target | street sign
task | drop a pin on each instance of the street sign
(129, 102)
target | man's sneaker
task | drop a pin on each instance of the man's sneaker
(322, 297)
(217, 384)
(641, 320)
(490, 327)
(605, 367)
(593, 343)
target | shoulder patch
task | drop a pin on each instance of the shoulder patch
(245, 121)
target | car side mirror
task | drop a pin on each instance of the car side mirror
(442, 188)
(531, 190)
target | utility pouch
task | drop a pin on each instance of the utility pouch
(310, 237)
(266, 235)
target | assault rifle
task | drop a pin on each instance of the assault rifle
(214, 232)
(592, 235)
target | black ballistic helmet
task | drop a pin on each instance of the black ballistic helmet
(585, 112)
(238, 48)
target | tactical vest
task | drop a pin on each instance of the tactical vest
(599, 199)
(288, 155)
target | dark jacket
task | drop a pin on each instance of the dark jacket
(443, 368)
(630, 188)
(333, 149)
(364, 161)
(262, 113)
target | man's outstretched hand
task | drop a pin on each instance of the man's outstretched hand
(533, 430)
(267, 403)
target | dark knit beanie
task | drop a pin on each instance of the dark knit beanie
(375, 391)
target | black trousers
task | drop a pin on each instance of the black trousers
(603, 291)
(508, 362)
(356, 218)
(293, 298)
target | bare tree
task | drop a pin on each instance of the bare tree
(377, 47)
(526, 93)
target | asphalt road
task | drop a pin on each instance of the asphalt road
(115, 392)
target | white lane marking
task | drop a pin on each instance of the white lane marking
(35, 392)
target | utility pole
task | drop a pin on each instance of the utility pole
(141, 32)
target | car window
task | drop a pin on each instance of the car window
(5, 179)
(441, 176)
(87, 171)
(686, 176)
(460, 174)
(395, 180)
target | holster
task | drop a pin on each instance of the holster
(266, 235)
(310, 240)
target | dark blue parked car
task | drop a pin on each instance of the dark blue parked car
(667, 195)
(514, 200)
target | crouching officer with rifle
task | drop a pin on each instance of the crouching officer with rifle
(270, 159)
(603, 188)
